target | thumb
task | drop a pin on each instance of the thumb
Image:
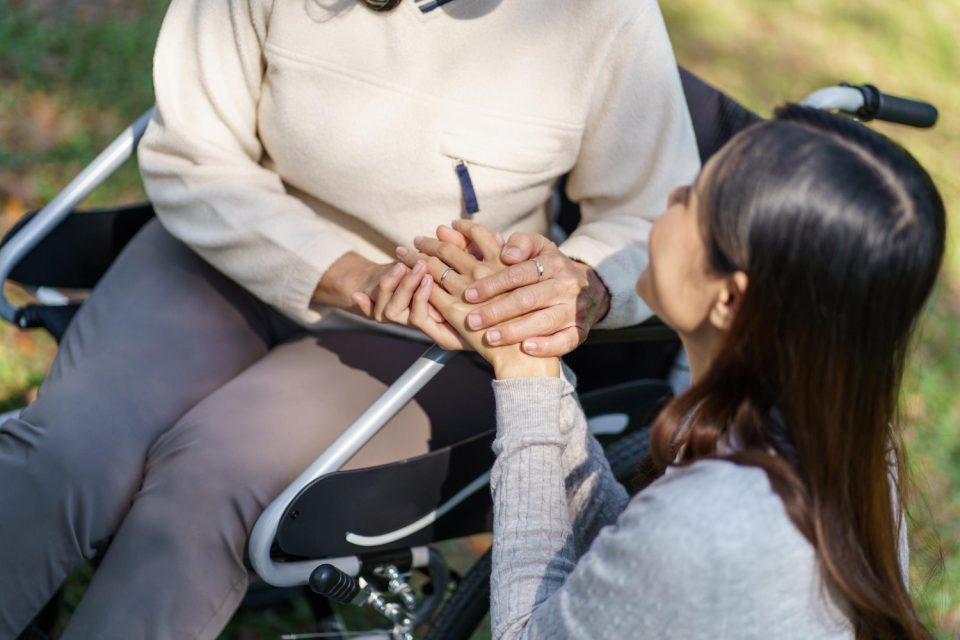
(364, 302)
(523, 246)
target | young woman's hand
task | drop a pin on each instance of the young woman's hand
(548, 313)
(453, 269)
(387, 294)
(385, 291)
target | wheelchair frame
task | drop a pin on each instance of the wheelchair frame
(865, 102)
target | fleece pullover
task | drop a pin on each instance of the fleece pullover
(289, 132)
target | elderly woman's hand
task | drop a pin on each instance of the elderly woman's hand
(380, 292)
(453, 269)
(543, 300)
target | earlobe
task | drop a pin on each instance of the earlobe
(740, 281)
(728, 301)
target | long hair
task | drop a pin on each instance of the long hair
(841, 234)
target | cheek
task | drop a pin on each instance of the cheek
(670, 284)
(655, 279)
(644, 289)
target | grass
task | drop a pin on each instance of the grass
(72, 80)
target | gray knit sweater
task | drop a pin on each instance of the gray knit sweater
(706, 551)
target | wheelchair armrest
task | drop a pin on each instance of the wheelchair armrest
(652, 330)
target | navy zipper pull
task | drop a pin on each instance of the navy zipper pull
(470, 204)
(427, 7)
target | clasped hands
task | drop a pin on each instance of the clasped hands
(494, 298)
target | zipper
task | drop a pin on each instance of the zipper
(427, 7)
(470, 204)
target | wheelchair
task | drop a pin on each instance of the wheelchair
(313, 533)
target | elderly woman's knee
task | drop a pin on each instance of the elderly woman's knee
(212, 475)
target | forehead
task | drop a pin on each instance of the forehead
(706, 173)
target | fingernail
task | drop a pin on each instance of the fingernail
(493, 336)
(417, 268)
(402, 252)
(425, 284)
(474, 320)
(397, 270)
(471, 294)
(530, 345)
(417, 240)
(516, 254)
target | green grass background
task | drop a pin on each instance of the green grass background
(73, 74)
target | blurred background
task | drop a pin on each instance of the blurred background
(73, 74)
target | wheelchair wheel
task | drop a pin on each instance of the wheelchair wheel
(463, 613)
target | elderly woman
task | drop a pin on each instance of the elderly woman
(296, 144)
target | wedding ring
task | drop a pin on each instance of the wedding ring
(444, 275)
(536, 261)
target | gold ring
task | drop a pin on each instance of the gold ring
(536, 261)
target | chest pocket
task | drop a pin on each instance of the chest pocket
(515, 151)
(508, 171)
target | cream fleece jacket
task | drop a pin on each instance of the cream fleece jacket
(289, 132)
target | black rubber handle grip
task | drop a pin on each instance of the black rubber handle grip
(329, 581)
(894, 109)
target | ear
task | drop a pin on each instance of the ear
(727, 304)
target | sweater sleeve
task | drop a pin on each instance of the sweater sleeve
(202, 160)
(638, 145)
(553, 491)
(594, 497)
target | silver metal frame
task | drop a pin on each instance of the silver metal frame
(46, 220)
(846, 99)
(287, 574)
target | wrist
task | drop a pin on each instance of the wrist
(597, 297)
(349, 274)
(514, 363)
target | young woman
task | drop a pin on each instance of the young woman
(793, 270)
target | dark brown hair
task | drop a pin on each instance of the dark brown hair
(841, 234)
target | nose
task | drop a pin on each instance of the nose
(675, 196)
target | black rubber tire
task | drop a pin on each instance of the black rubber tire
(460, 616)
(625, 455)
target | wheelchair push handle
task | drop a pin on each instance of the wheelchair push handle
(883, 106)
(867, 102)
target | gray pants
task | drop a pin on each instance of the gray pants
(177, 408)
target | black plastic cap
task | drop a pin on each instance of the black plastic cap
(333, 583)
(883, 106)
